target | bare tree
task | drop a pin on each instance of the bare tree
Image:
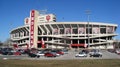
(1, 44)
(7, 43)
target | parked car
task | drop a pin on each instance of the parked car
(7, 51)
(22, 51)
(59, 52)
(33, 55)
(17, 53)
(85, 51)
(41, 53)
(50, 54)
(111, 50)
(117, 51)
(65, 51)
(95, 53)
(81, 54)
(1, 50)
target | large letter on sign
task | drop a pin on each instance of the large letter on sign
(32, 28)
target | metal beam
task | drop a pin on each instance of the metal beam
(41, 29)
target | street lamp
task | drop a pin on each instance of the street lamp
(88, 16)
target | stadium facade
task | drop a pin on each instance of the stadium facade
(42, 31)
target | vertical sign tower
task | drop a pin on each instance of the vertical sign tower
(33, 29)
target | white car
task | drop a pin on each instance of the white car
(40, 53)
(81, 54)
(117, 51)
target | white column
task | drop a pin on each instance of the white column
(106, 29)
(71, 42)
(92, 41)
(47, 44)
(78, 42)
(85, 41)
(113, 29)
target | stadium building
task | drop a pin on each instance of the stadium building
(42, 31)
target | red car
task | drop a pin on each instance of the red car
(50, 54)
(58, 52)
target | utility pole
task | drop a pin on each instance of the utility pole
(88, 19)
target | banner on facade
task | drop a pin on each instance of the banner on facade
(55, 31)
(95, 30)
(81, 30)
(109, 29)
(68, 30)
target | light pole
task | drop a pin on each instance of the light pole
(9, 40)
(88, 16)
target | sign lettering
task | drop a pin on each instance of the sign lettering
(32, 28)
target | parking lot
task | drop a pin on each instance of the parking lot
(69, 56)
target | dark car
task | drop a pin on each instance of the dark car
(111, 50)
(7, 51)
(85, 51)
(95, 53)
(33, 55)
